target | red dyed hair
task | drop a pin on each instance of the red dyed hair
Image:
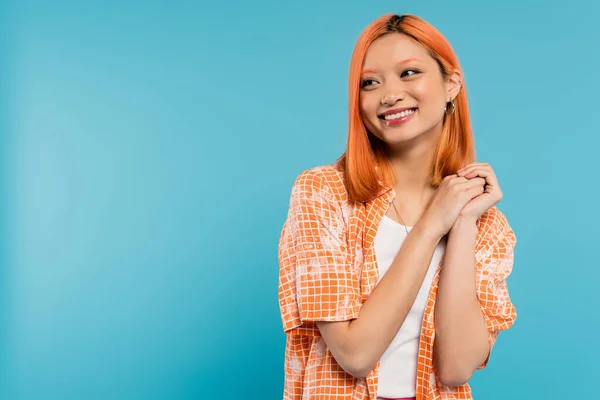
(366, 166)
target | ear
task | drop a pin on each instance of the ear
(453, 85)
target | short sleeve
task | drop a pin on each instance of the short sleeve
(316, 279)
(494, 263)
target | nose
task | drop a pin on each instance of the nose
(391, 97)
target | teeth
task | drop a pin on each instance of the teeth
(399, 115)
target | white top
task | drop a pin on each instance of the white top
(398, 365)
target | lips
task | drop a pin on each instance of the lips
(395, 111)
(399, 120)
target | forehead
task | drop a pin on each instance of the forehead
(393, 48)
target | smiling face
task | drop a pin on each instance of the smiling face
(403, 94)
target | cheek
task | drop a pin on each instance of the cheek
(363, 101)
(368, 107)
(423, 92)
(427, 94)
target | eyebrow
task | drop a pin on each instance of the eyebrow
(367, 70)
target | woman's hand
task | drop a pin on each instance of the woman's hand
(444, 207)
(491, 195)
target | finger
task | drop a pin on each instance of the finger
(457, 179)
(472, 167)
(449, 177)
(474, 171)
(475, 191)
(487, 174)
(468, 171)
(454, 179)
(470, 183)
(482, 172)
(477, 171)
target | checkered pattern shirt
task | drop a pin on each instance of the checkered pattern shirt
(327, 268)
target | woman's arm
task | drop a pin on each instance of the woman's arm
(472, 303)
(357, 345)
(461, 342)
(318, 283)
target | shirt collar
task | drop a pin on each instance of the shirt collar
(387, 191)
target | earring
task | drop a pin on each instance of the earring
(446, 108)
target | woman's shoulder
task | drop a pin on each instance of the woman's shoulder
(327, 179)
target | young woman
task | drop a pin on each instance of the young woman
(394, 259)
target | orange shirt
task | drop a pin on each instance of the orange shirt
(328, 268)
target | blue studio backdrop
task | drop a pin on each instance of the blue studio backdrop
(148, 150)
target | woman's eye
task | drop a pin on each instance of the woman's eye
(365, 82)
(409, 70)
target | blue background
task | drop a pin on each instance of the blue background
(148, 151)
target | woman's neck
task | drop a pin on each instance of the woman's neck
(412, 167)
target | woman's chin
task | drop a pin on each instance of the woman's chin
(399, 137)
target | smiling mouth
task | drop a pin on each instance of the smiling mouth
(398, 119)
(398, 116)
